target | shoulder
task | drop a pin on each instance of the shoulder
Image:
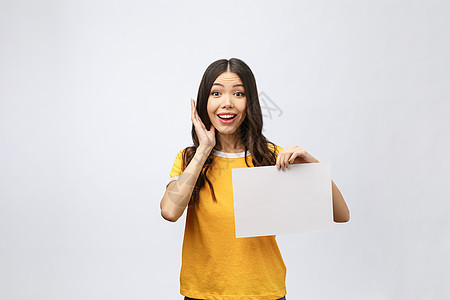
(180, 154)
(274, 148)
(179, 157)
(184, 150)
(181, 151)
(186, 153)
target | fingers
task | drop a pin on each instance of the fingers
(192, 110)
(292, 159)
(283, 160)
(195, 117)
(279, 163)
(291, 154)
(196, 120)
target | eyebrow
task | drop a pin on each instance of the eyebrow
(233, 85)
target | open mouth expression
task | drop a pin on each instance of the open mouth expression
(227, 103)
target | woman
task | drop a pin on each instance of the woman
(227, 133)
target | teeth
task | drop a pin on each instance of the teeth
(226, 116)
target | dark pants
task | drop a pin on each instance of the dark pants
(187, 298)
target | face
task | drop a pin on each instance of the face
(227, 103)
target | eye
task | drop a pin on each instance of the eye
(215, 93)
(239, 94)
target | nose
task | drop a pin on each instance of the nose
(227, 101)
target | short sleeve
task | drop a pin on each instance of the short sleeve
(176, 168)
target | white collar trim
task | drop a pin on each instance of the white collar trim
(229, 155)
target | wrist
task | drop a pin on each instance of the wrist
(203, 152)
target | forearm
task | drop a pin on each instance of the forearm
(340, 209)
(178, 192)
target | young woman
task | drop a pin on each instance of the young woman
(227, 133)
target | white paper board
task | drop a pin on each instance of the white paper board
(268, 201)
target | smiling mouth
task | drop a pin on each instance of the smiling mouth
(227, 117)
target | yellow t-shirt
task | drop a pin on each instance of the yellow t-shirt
(215, 264)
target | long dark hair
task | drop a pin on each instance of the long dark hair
(250, 130)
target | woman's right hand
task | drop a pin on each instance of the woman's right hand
(206, 139)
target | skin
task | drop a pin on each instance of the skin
(228, 95)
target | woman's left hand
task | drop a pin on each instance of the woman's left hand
(293, 155)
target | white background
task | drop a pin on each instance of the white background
(95, 106)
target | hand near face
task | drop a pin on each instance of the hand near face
(206, 138)
(293, 155)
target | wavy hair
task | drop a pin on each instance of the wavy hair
(250, 131)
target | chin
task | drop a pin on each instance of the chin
(228, 132)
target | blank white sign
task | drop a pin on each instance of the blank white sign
(268, 201)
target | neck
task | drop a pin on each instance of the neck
(229, 143)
